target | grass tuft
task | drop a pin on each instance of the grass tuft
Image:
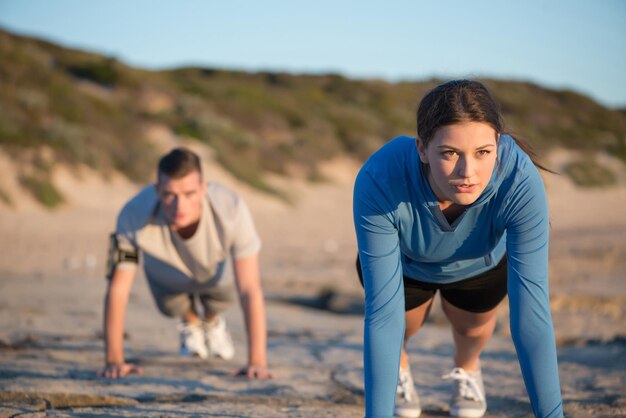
(588, 173)
(43, 190)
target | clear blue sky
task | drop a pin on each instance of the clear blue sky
(574, 44)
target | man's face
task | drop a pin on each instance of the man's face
(461, 159)
(181, 199)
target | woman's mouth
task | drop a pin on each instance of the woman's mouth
(465, 188)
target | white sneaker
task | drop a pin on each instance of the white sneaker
(218, 340)
(407, 401)
(468, 393)
(192, 342)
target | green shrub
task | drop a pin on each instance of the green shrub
(43, 190)
(188, 127)
(102, 71)
(588, 173)
(619, 149)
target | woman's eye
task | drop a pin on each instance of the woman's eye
(483, 152)
(449, 154)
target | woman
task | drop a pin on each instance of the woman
(461, 209)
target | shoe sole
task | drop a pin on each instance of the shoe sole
(192, 354)
(467, 414)
(230, 357)
(407, 413)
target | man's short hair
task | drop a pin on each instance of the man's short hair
(178, 163)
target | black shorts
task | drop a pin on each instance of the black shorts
(480, 293)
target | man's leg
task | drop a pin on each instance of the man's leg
(215, 300)
(181, 305)
(190, 316)
(173, 305)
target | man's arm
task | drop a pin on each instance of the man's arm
(114, 314)
(248, 280)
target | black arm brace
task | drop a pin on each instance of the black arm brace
(118, 255)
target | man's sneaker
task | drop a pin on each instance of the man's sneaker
(468, 393)
(192, 342)
(218, 340)
(407, 401)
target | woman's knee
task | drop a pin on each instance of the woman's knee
(476, 331)
(469, 324)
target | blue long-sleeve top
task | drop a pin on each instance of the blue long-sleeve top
(401, 230)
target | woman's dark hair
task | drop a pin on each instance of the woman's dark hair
(459, 101)
(178, 163)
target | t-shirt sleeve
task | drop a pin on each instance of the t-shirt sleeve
(531, 322)
(125, 235)
(246, 241)
(379, 255)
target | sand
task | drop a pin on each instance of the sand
(52, 288)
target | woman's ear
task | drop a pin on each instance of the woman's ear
(421, 150)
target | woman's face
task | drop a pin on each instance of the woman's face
(461, 158)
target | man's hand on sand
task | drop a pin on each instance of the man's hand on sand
(115, 371)
(254, 372)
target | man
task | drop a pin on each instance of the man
(190, 237)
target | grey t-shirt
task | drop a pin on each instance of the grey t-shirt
(225, 231)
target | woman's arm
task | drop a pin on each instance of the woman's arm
(384, 296)
(531, 321)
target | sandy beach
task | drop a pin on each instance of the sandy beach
(52, 287)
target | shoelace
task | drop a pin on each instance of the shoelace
(405, 387)
(468, 387)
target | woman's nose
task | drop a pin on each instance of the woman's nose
(465, 167)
